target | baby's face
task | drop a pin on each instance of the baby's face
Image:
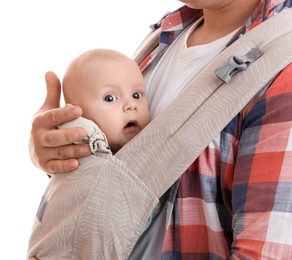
(115, 99)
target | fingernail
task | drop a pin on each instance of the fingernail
(81, 133)
(86, 150)
(76, 111)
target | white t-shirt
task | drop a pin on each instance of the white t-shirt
(173, 72)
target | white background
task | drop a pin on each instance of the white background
(37, 36)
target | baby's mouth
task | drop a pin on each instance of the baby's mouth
(131, 126)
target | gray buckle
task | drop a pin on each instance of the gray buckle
(237, 63)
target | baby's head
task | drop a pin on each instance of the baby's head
(110, 89)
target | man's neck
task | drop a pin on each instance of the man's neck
(220, 22)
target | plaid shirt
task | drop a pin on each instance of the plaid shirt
(235, 200)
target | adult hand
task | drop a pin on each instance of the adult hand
(52, 149)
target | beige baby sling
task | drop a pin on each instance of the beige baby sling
(106, 202)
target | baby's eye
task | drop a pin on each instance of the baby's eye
(137, 95)
(110, 98)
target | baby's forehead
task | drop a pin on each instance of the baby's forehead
(117, 63)
(104, 55)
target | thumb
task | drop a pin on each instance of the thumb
(53, 91)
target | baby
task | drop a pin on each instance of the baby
(110, 89)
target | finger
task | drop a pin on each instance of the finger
(61, 157)
(53, 91)
(52, 118)
(61, 166)
(61, 137)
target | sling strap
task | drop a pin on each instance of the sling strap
(150, 42)
(106, 202)
(174, 139)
